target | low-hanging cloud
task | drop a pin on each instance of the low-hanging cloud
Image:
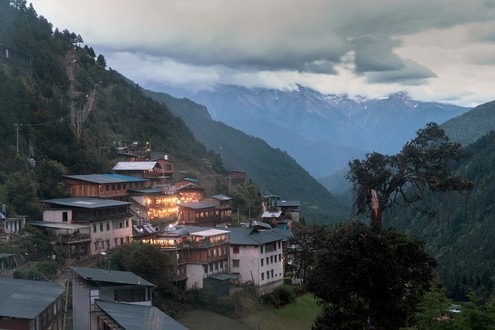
(235, 36)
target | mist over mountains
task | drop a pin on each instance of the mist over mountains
(322, 132)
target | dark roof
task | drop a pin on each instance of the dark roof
(287, 203)
(251, 236)
(110, 276)
(148, 191)
(205, 204)
(85, 202)
(135, 317)
(105, 178)
(27, 299)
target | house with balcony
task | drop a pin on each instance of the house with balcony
(195, 252)
(257, 255)
(223, 209)
(28, 304)
(202, 213)
(112, 186)
(87, 225)
(149, 170)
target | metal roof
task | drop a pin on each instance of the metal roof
(287, 203)
(135, 166)
(56, 225)
(209, 232)
(251, 236)
(136, 317)
(105, 178)
(199, 205)
(27, 299)
(271, 214)
(222, 197)
(110, 276)
(86, 202)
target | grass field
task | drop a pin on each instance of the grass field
(296, 316)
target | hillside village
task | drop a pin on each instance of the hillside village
(145, 200)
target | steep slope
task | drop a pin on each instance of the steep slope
(273, 171)
(460, 234)
(68, 112)
(472, 125)
(322, 132)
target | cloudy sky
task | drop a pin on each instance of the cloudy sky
(437, 50)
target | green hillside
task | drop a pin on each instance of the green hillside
(470, 126)
(67, 113)
(272, 170)
(460, 233)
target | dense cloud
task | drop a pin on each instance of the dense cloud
(211, 41)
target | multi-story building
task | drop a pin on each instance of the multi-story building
(95, 224)
(195, 252)
(257, 255)
(112, 186)
(31, 305)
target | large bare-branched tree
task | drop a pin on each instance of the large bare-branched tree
(423, 164)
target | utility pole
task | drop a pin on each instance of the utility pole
(17, 128)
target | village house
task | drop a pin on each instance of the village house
(10, 225)
(290, 208)
(196, 252)
(149, 170)
(114, 315)
(87, 226)
(112, 186)
(109, 299)
(35, 305)
(257, 255)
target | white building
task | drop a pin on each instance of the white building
(256, 254)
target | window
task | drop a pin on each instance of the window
(127, 223)
(267, 275)
(267, 260)
(108, 226)
(205, 268)
(101, 227)
(94, 228)
(261, 261)
(271, 272)
(235, 249)
(65, 217)
(235, 263)
(271, 259)
(262, 276)
(261, 249)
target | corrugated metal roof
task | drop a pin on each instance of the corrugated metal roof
(85, 202)
(135, 317)
(199, 205)
(251, 236)
(111, 276)
(105, 178)
(26, 299)
(57, 225)
(222, 197)
(271, 214)
(135, 166)
(209, 232)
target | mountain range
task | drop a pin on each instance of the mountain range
(322, 132)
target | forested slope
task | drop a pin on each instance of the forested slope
(272, 170)
(67, 114)
(460, 233)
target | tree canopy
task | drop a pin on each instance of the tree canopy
(423, 164)
(364, 276)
